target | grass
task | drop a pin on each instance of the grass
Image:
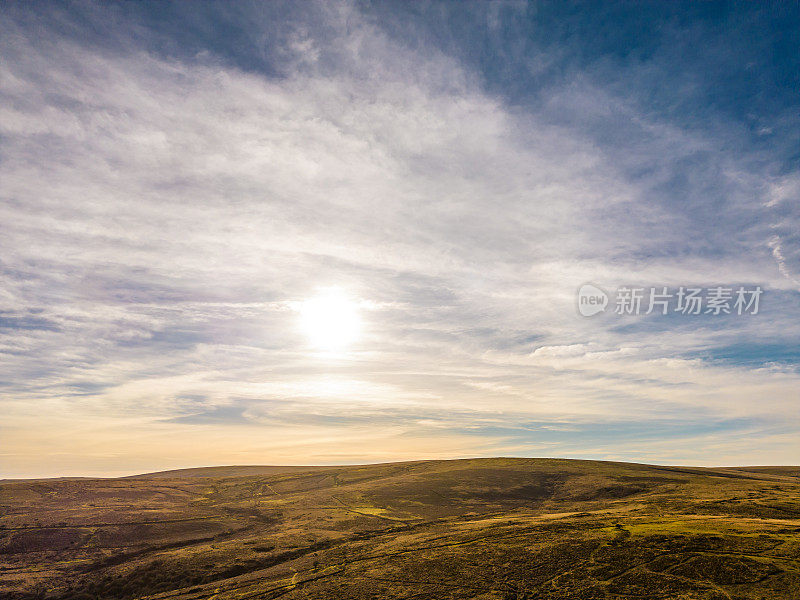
(468, 529)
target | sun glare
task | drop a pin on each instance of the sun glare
(330, 320)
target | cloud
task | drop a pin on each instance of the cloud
(170, 194)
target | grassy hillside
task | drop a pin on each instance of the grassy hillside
(478, 529)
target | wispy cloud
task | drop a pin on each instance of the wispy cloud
(169, 195)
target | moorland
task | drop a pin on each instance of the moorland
(498, 528)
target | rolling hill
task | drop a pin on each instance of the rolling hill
(502, 528)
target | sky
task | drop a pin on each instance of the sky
(195, 198)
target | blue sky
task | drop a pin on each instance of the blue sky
(178, 180)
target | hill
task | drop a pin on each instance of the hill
(484, 529)
(225, 471)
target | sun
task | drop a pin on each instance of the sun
(330, 320)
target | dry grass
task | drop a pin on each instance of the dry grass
(488, 528)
